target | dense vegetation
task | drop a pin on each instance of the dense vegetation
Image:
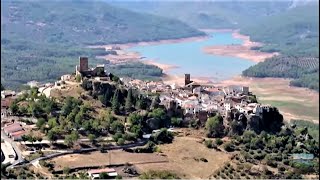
(41, 40)
(313, 129)
(136, 70)
(208, 14)
(23, 61)
(73, 118)
(158, 175)
(295, 34)
(269, 151)
(305, 70)
(288, 27)
(85, 22)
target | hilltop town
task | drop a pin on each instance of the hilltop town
(93, 124)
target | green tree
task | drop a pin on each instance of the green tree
(33, 109)
(120, 141)
(163, 136)
(23, 110)
(137, 130)
(78, 78)
(215, 127)
(40, 123)
(14, 107)
(51, 135)
(2, 87)
(142, 103)
(155, 102)
(66, 170)
(103, 99)
(176, 122)
(115, 102)
(129, 101)
(52, 122)
(135, 119)
(68, 140)
(92, 138)
(117, 126)
(104, 176)
(115, 78)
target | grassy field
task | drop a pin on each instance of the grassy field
(181, 157)
(184, 154)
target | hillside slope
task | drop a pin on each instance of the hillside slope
(41, 40)
(85, 22)
(208, 14)
(293, 32)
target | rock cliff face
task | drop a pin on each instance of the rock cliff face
(266, 119)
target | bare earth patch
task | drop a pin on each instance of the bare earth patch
(184, 154)
(102, 159)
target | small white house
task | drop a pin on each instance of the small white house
(66, 77)
(95, 173)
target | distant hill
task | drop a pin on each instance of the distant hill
(41, 40)
(208, 14)
(305, 70)
(85, 22)
(293, 32)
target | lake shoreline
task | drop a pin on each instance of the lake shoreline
(242, 51)
(277, 86)
(123, 56)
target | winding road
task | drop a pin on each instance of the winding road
(19, 157)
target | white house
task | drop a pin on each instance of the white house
(95, 173)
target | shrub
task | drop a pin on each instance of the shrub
(164, 136)
(215, 127)
(223, 176)
(218, 141)
(117, 136)
(228, 147)
(272, 163)
(120, 141)
(281, 168)
(66, 170)
(259, 156)
(208, 143)
(158, 175)
(286, 162)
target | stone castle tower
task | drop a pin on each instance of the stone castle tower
(83, 64)
(187, 79)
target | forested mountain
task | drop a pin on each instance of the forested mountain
(41, 40)
(293, 32)
(305, 70)
(89, 22)
(209, 14)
